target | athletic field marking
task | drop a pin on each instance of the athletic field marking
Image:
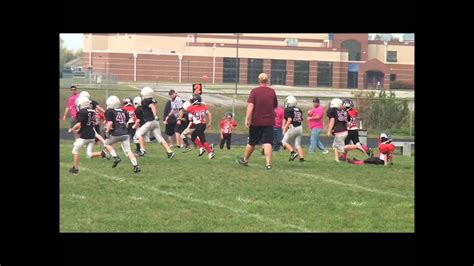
(335, 182)
(206, 202)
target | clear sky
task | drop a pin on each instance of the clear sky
(74, 40)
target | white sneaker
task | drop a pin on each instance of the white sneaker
(211, 155)
(201, 151)
(325, 151)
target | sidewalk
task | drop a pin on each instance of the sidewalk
(280, 90)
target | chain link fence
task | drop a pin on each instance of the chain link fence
(378, 110)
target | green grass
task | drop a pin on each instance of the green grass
(195, 194)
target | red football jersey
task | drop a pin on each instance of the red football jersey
(352, 124)
(386, 150)
(197, 113)
(130, 109)
(226, 125)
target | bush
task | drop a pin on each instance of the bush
(397, 84)
(384, 112)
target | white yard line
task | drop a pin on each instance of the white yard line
(206, 202)
(335, 182)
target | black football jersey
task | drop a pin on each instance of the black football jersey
(340, 116)
(147, 113)
(87, 118)
(119, 119)
(296, 115)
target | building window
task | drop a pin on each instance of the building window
(354, 49)
(391, 56)
(230, 69)
(301, 73)
(278, 72)
(393, 77)
(324, 74)
(254, 68)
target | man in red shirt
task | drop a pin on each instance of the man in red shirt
(260, 119)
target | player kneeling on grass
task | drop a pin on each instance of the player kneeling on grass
(385, 154)
(86, 119)
(150, 122)
(292, 128)
(117, 131)
(227, 125)
(197, 116)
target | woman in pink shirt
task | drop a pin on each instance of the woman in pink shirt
(277, 136)
(315, 120)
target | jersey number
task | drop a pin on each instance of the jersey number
(120, 118)
(200, 115)
(91, 119)
(297, 116)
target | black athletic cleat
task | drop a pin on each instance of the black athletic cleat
(188, 149)
(170, 154)
(74, 171)
(241, 161)
(117, 160)
(302, 160)
(293, 156)
(103, 154)
(136, 169)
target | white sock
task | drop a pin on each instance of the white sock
(134, 162)
(113, 153)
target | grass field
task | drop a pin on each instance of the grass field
(195, 194)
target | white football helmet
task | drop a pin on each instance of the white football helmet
(336, 102)
(385, 138)
(147, 92)
(127, 101)
(186, 105)
(290, 101)
(84, 94)
(113, 102)
(137, 101)
(83, 102)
